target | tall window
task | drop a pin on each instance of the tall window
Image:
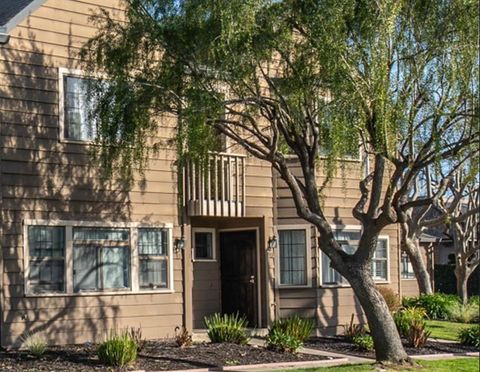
(349, 240)
(407, 269)
(77, 123)
(47, 259)
(293, 257)
(153, 256)
(101, 259)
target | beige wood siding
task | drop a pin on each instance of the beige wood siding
(43, 178)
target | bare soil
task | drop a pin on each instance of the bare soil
(342, 346)
(157, 356)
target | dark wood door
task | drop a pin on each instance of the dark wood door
(239, 274)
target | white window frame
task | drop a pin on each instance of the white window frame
(352, 228)
(214, 244)
(68, 254)
(308, 247)
(62, 72)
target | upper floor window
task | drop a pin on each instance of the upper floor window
(349, 241)
(293, 256)
(407, 268)
(76, 122)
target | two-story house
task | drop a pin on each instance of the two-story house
(81, 254)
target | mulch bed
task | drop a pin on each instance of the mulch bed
(340, 345)
(157, 355)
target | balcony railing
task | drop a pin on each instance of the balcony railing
(217, 188)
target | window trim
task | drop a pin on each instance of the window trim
(214, 244)
(62, 72)
(354, 228)
(308, 247)
(68, 269)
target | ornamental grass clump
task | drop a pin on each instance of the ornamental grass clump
(469, 313)
(118, 350)
(35, 344)
(417, 334)
(405, 318)
(227, 328)
(288, 335)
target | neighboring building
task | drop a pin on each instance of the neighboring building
(81, 255)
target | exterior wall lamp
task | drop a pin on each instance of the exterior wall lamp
(272, 243)
(179, 244)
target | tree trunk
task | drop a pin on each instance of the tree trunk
(462, 281)
(422, 275)
(388, 345)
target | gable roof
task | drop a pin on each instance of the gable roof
(12, 12)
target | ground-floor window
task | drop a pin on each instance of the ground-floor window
(293, 256)
(86, 257)
(203, 244)
(349, 240)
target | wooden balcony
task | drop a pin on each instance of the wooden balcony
(217, 188)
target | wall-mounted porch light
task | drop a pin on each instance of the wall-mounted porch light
(272, 243)
(179, 244)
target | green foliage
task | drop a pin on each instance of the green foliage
(118, 350)
(475, 300)
(280, 340)
(470, 336)
(436, 305)
(352, 330)
(391, 298)
(417, 334)
(405, 318)
(227, 328)
(35, 344)
(469, 313)
(364, 343)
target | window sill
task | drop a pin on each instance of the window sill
(408, 278)
(335, 286)
(97, 294)
(204, 260)
(284, 286)
(77, 142)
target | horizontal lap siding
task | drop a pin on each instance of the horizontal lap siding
(43, 178)
(330, 307)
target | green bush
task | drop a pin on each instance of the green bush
(352, 329)
(406, 317)
(470, 336)
(417, 334)
(280, 340)
(35, 344)
(118, 350)
(227, 328)
(364, 343)
(474, 300)
(468, 313)
(436, 305)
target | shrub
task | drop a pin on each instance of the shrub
(136, 335)
(464, 313)
(391, 298)
(280, 340)
(35, 344)
(404, 319)
(182, 337)
(417, 335)
(436, 305)
(352, 330)
(470, 336)
(118, 350)
(474, 300)
(227, 328)
(364, 343)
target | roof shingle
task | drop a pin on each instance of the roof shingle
(10, 8)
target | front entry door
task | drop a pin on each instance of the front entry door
(239, 274)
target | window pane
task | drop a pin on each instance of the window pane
(379, 269)
(152, 242)
(77, 123)
(153, 274)
(203, 245)
(92, 233)
(46, 241)
(381, 250)
(47, 276)
(85, 268)
(292, 257)
(407, 269)
(115, 267)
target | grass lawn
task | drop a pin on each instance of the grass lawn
(445, 330)
(446, 365)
